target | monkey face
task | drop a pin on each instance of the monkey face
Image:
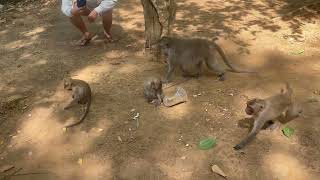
(156, 84)
(164, 42)
(254, 106)
(67, 84)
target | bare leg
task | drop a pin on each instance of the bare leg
(77, 21)
(107, 23)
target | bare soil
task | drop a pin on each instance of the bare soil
(279, 39)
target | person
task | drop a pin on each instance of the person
(92, 10)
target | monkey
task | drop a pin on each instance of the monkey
(268, 110)
(81, 94)
(192, 53)
(152, 89)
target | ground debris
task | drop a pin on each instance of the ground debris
(6, 167)
(216, 169)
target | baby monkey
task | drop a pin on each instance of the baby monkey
(81, 94)
(266, 110)
(152, 89)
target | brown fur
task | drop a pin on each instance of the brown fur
(81, 94)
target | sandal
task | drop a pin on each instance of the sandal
(108, 37)
(85, 40)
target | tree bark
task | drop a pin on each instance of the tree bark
(159, 16)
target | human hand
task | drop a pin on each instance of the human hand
(92, 16)
(78, 11)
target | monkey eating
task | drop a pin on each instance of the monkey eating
(152, 89)
(189, 54)
(81, 94)
(267, 110)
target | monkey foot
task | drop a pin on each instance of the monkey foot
(180, 97)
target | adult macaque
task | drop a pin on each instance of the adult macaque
(190, 54)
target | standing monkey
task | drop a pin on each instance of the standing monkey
(81, 94)
(265, 110)
(192, 53)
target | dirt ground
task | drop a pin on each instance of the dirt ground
(36, 52)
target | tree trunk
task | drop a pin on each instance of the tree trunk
(159, 15)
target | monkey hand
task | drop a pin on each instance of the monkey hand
(238, 147)
(156, 102)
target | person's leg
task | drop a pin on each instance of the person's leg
(77, 21)
(107, 23)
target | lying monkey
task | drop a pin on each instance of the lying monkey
(152, 89)
(266, 110)
(191, 54)
(81, 94)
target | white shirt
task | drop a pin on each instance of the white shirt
(100, 6)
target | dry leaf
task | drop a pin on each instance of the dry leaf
(217, 170)
(119, 139)
(80, 161)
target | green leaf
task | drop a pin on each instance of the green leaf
(208, 143)
(288, 131)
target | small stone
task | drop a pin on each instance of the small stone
(30, 153)
(1, 7)
(80, 161)
(19, 9)
(119, 138)
(183, 157)
(29, 115)
(187, 145)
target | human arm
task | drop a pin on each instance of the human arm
(66, 7)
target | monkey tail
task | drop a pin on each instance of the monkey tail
(245, 141)
(226, 61)
(82, 117)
